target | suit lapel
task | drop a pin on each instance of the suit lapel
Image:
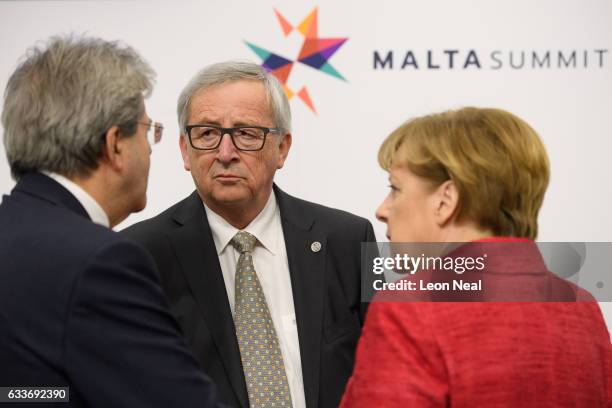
(194, 245)
(307, 270)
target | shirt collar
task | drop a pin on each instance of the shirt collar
(262, 227)
(94, 210)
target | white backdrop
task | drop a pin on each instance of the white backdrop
(333, 158)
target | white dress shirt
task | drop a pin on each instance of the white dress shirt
(93, 209)
(272, 267)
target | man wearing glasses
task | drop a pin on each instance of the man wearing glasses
(80, 305)
(266, 287)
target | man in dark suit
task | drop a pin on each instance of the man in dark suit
(304, 300)
(80, 305)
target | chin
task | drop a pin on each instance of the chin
(140, 205)
(230, 195)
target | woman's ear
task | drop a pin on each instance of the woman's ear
(446, 202)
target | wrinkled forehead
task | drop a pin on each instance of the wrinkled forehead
(238, 99)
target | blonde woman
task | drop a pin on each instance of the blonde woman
(476, 175)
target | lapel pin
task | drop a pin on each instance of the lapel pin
(315, 246)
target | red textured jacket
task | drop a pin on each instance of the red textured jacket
(484, 354)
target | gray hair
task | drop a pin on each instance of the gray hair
(62, 99)
(231, 71)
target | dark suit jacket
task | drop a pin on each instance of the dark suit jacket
(326, 291)
(81, 306)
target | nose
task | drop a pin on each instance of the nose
(227, 150)
(382, 212)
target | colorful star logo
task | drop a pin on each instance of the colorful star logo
(315, 52)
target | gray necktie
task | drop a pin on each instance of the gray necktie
(260, 352)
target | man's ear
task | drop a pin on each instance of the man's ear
(113, 147)
(184, 152)
(446, 202)
(283, 149)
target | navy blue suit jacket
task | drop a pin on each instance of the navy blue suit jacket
(81, 306)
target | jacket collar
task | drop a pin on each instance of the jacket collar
(44, 187)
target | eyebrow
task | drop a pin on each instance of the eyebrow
(215, 123)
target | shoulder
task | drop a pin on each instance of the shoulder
(58, 246)
(107, 249)
(150, 230)
(327, 217)
(116, 261)
(51, 230)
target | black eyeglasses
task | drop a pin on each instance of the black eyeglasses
(245, 138)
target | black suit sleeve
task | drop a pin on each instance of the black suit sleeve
(121, 344)
(368, 253)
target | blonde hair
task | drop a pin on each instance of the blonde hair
(495, 159)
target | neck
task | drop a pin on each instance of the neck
(237, 218)
(238, 215)
(100, 188)
(465, 232)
